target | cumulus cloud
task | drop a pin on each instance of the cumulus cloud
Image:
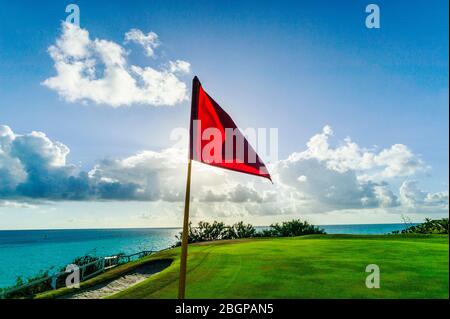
(179, 66)
(33, 166)
(210, 196)
(438, 199)
(11, 170)
(320, 179)
(148, 41)
(329, 188)
(99, 71)
(149, 175)
(412, 196)
(395, 161)
(241, 194)
(346, 176)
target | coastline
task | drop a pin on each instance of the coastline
(25, 253)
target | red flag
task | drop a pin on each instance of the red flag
(215, 139)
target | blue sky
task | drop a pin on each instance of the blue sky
(293, 65)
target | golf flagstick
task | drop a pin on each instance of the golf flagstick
(206, 114)
(185, 234)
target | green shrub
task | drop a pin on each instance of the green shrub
(240, 230)
(430, 226)
(292, 228)
(29, 292)
(204, 232)
(217, 231)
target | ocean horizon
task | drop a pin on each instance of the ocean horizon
(25, 253)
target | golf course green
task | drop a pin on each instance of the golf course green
(307, 267)
(315, 266)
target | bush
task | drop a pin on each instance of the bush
(29, 292)
(240, 230)
(291, 229)
(430, 226)
(218, 231)
(205, 232)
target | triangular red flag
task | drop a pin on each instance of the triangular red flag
(215, 139)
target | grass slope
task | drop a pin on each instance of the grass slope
(323, 266)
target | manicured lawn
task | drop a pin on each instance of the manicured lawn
(330, 266)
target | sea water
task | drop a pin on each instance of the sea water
(27, 252)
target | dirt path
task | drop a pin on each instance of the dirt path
(121, 283)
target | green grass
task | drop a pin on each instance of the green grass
(318, 266)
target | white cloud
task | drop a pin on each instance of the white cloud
(329, 189)
(11, 169)
(98, 71)
(439, 198)
(320, 179)
(148, 41)
(241, 193)
(211, 197)
(395, 161)
(33, 166)
(15, 204)
(398, 160)
(154, 175)
(38, 145)
(384, 196)
(412, 196)
(302, 179)
(180, 66)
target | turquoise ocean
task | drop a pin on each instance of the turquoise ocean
(27, 252)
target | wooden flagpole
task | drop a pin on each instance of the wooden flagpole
(185, 236)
